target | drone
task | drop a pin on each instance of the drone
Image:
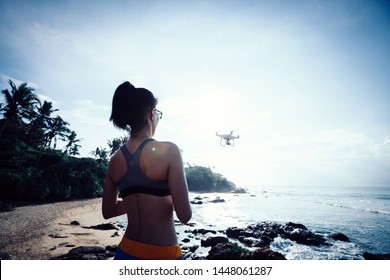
(227, 139)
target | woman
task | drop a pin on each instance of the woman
(149, 178)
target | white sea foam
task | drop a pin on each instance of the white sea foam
(361, 214)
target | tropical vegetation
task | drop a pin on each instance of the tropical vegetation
(203, 179)
(32, 167)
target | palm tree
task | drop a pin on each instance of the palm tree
(40, 122)
(115, 143)
(20, 102)
(57, 127)
(40, 119)
(74, 150)
(72, 142)
(100, 154)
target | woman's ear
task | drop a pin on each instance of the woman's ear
(150, 115)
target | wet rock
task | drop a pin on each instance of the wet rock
(293, 226)
(234, 232)
(304, 236)
(58, 236)
(5, 256)
(231, 251)
(339, 236)
(106, 226)
(253, 242)
(213, 240)
(203, 231)
(197, 202)
(116, 234)
(190, 248)
(111, 248)
(266, 253)
(266, 232)
(87, 253)
(369, 256)
(217, 200)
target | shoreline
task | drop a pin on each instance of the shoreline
(39, 232)
(53, 230)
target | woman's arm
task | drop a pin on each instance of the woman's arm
(111, 205)
(178, 185)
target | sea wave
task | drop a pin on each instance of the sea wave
(375, 203)
(353, 207)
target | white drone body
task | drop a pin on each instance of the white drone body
(227, 139)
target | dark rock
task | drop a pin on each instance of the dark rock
(107, 226)
(369, 256)
(58, 236)
(234, 232)
(253, 242)
(266, 232)
(266, 253)
(213, 240)
(304, 236)
(75, 223)
(116, 234)
(294, 226)
(189, 252)
(203, 231)
(197, 202)
(217, 200)
(266, 239)
(5, 256)
(193, 248)
(227, 251)
(230, 251)
(111, 248)
(87, 253)
(339, 236)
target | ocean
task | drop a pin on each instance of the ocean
(361, 213)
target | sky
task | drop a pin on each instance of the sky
(305, 84)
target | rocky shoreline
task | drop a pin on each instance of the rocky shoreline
(250, 243)
(89, 237)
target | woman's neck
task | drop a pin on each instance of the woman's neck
(141, 135)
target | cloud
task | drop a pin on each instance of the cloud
(381, 150)
(43, 97)
(387, 141)
(204, 113)
(88, 112)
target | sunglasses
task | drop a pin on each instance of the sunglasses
(160, 114)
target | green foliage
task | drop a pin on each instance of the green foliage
(30, 168)
(67, 179)
(203, 179)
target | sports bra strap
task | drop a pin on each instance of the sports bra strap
(141, 147)
(128, 156)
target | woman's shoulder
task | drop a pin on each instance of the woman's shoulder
(167, 147)
(166, 144)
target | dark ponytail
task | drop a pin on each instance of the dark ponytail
(130, 105)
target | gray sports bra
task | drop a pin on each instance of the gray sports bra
(135, 181)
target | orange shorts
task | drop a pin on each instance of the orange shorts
(133, 250)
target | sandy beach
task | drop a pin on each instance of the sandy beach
(39, 232)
